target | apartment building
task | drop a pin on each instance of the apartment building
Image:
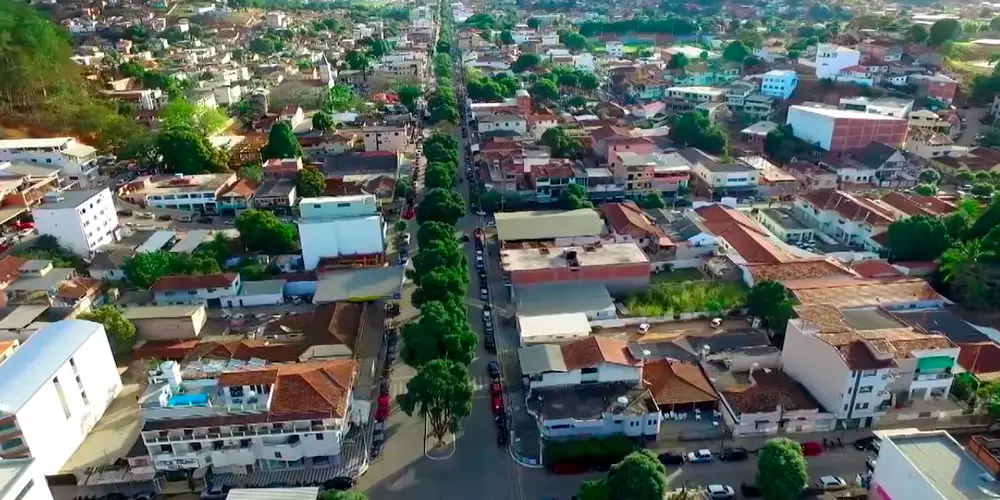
(650, 173)
(849, 219)
(386, 138)
(53, 390)
(832, 58)
(940, 87)
(253, 417)
(179, 192)
(717, 180)
(779, 83)
(688, 98)
(207, 289)
(22, 479)
(76, 161)
(82, 221)
(337, 226)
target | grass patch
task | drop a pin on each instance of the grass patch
(666, 298)
(689, 274)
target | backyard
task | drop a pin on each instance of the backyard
(685, 291)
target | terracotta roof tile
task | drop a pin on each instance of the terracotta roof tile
(982, 359)
(769, 390)
(593, 351)
(314, 386)
(628, 219)
(676, 382)
(78, 288)
(10, 268)
(194, 282)
(249, 377)
(798, 270)
(857, 292)
(750, 240)
(875, 268)
(850, 207)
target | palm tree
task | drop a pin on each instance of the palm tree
(961, 258)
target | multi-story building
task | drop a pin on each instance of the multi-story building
(76, 161)
(82, 221)
(338, 226)
(22, 479)
(927, 119)
(688, 98)
(700, 74)
(648, 173)
(622, 267)
(759, 106)
(502, 122)
(840, 129)
(717, 180)
(883, 106)
(250, 418)
(940, 87)
(783, 223)
(207, 289)
(278, 195)
(179, 192)
(877, 164)
(858, 75)
(737, 93)
(779, 83)
(932, 465)
(53, 390)
(810, 176)
(386, 138)
(850, 219)
(831, 59)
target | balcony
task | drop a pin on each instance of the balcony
(203, 434)
(924, 377)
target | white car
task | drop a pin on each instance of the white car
(829, 483)
(720, 491)
(481, 213)
(643, 328)
(487, 314)
(700, 456)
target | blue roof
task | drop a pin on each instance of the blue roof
(35, 363)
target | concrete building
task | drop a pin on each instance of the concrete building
(207, 289)
(386, 138)
(179, 192)
(779, 83)
(82, 221)
(718, 180)
(502, 123)
(784, 225)
(883, 106)
(22, 479)
(254, 417)
(621, 267)
(650, 173)
(336, 226)
(841, 130)
(258, 293)
(77, 162)
(850, 219)
(167, 322)
(940, 87)
(831, 59)
(53, 390)
(929, 465)
(562, 227)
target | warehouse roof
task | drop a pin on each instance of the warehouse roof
(548, 224)
(360, 285)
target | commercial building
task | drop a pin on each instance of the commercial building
(179, 192)
(82, 221)
(53, 390)
(779, 83)
(929, 465)
(651, 172)
(248, 416)
(75, 161)
(167, 322)
(502, 123)
(21, 479)
(336, 226)
(207, 289)
(386, 138)
(841, 130)
(831, 59)
(621, 267)
(718, 180)
(562, 227)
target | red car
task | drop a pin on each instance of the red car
(812, 448)
(497, 404)
(562, 468)
(24, 224)
(408, 213)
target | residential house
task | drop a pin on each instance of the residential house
(75, 160)
(784, 224)
(810, 176)
(279, 195)
(939, 87)
(386, 138)
(877, 164)
(978, 159)
(207, 289)
(928, 143)
(779, 83)
(857, 74)
(849, 219)
(718, 180)
(831, 59)
(627, 222)
(665, 173)
(236, 198)
(502, 122)
(688, 98)
(759, 106)
(550, 179)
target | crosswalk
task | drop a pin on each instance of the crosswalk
(397, 387)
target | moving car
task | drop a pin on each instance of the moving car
(671, 458)
(720, 492)
(699, 457)
(734, 455)
(830, 483)
(643, 328)
(215, 493)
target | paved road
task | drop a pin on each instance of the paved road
(972, 125)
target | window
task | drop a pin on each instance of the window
(869, 373)
(62, 397)
(861, 406)
(319, 437)
(846, 407)
(588, 370)
(277, 454)
(865, 390)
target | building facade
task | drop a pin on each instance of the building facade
(338, 226)
(82, 221)
(842, 130)
(779, 83)
(77, 161)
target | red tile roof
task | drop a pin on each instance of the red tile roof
(676, 382)
(918, 205)
(593, 351)
(750, 240)
(10, 268)
(849, 206)
(628, 219)
(314, 386)
(875, 268)
(194, 282)
(982, 359)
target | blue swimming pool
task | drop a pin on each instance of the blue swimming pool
(188, 400)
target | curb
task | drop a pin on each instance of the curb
(519, 460)
(454, 447)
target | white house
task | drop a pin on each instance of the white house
(859, 75)
(276, 19)
(76, 161)
(254, 417)
(615, 48)
(22, 479)
(832, 58)
(258, 293)
(779, 83)
(848, 218)
(332, 226)
(82, 221)
(196, 289)
(502, 122)
(53, 390)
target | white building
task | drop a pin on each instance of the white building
(276, 19)
(929, 465)
(77, 161)
(502, 122)
(836, 130)
(779, 83)
(615, 49)
(386, 138)
(832, 58)
(53, 390)
(884, 106)
(334, 226)
(208, 289)
(22, 479)
(250, 417)
(82, 221)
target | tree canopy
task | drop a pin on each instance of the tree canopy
(144, 268)
(442, 205)
(525, 62)
(694, 129)
(574, 197)
(560, 144)
(442, 331)
(120, 331)
(262, 231)
(736, 51)
(311, 182)
(281, 142)
(782, 472)
(441, 392)
(770, 302)
(920, 238)
(944, 30)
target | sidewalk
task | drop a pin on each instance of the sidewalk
(753, 443)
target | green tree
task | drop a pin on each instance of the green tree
(281, 143)
(442, 332)
(358, 60)
(957, 224)
(925, 189)
(180, 114)
(340, 98)
(404, 188)
(982, 189)
(442, 205)
(573, 41)
(506, 37)
(253, 172)
(433, 232)
(736, 51)
(185, 151)
(534, 23)
(408, 95)
(770, 302)
(944, 30)
(323, 121)
(678, 61)
(310, 182)
(262, 231)
(544, 90)
(525, 62)
(930, 176)
(120, 331)
(652, 201)
(440, 175)
(438, 255)
(782, 472)
(962, 259)
(560, 144)
(640, 476)
(986, 221)
(964, 175)
(917, 33)
(694, 129)
(441, 392)
(143, 269)
(341, 495)
(588, 80)
(574, 197)
(920, 237)
(595, 489)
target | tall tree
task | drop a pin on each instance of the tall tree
(310, 182)
(442, 332)
(185, 151)
(544, 90)
(917, 33)
(441, 392)
(323, 121)
(434, 232)
(574, 197)
(525, 62)
(440, 175)
(963, 258)
(694, 129)
(262, 231)
(560, 144)
(408, 95)
(120, 331)
(770, 302)
(736, 51)
(442, 205)
(640, 476)
(573, 41)
(782, 471)
(679, 61)
(944, 30)
(920, 237)
(253, 172)
(182, 114)
(281, 142)
(436, 255)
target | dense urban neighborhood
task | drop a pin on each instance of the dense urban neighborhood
(499, 250)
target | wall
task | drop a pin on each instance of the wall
(30, 484)
(354, 236)
(618, 278)
(48, 433)
(171, 328)
(83, 229)
(811, 127)
(253, 300)
(201, 295)
(816, 365)
(895, 478)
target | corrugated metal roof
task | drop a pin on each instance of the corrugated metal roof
(546, 225)
(273, 493)
(156, 242)
(541, 358)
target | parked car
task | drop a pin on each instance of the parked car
(720, 492)
(484, 293)
(699, 457)
(750, 490)
(734, 455)
(868, 443)
(502, 437)
(204, 220)
(812, 448)
(565, 468)
(338, 483)
(490, 344)
(870, 463)
(215, 493)
(643, 328)
(493, 368)
(831, 483)
(671, 458)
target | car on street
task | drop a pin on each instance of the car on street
(643, 328)
(734, 455)
(867, 443)
(750, 490)
(831, 483)
(720, 492)
(671, 458)
(812, 448)
(699, 457)
(487, 314)
(484, 293)
(215, 493)
(493, 368)
(870, 463)
(338, 483)
(565, 468)
(490, 344)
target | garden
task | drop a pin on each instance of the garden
(667, 297)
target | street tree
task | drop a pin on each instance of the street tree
(440, 175)
(442, 205)
(358, 60)
(404, 188)
(782, 471)
(438, 153)
(442, 332)
(262, 231)
(652, 201)
(436, 232)
(982, 189)
(574, 197)
(446, 141)
(252, 172)
(435, 255)
(120, 331)
(310, 182)
(441, 392)
(323, 121)
(963, 258)
(920, 237)
(925, 189)
(443, 284)
(588, 80)
(770, 302)
(544, 90)
(957, 224)
(281, 143)
(639, 476)
(408, 95)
